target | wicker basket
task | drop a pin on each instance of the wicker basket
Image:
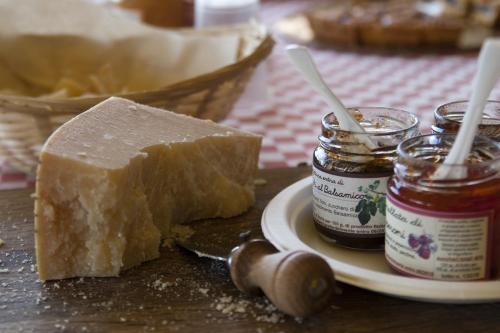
(26, 122)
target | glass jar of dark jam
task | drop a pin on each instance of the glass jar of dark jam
(444, 229)
(448, 117)
(350, 178)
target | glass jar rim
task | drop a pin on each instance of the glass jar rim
(441, 117)
(403, 152)
(415, 121)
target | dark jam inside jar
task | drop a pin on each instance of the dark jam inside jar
(350, 173)
(444, 229)
(448, 117)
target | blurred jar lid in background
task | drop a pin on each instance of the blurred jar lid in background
(224, 12)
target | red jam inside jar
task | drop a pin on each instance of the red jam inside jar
(444, 229)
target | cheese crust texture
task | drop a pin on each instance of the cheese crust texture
(112, 181)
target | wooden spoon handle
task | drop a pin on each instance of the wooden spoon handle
(296, 282)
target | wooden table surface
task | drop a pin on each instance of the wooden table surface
(180, 292)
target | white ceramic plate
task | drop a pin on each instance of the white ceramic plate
(287, 223)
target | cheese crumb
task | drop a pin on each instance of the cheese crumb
(60, 326)
(266, 311)
(4, 270)
(181, 232)
(160, 285)
(259, 182)
(273, 318)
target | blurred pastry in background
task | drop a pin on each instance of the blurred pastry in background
(405, 23)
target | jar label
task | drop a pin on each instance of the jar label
(434, 245)
(348, 204)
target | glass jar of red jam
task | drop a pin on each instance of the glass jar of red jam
(444, 229)
(350, 178)
(448, 117)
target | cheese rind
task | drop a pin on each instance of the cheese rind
(112, 181)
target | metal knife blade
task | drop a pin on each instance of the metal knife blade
(215, 238)
(197, 249)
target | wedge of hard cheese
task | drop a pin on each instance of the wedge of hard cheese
(113, 180)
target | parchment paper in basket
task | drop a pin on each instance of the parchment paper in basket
(71, 48)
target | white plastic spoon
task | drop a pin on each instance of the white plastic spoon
(487, 74)
(301, 58)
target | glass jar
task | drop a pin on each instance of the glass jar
(448, 117)
(350, 179)
(444, 229)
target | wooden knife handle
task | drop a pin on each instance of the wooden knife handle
(297, 282)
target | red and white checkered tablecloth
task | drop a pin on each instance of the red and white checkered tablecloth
(289, 118)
